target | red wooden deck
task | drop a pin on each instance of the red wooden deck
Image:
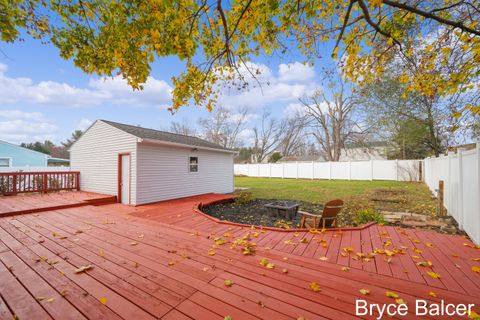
(161, 261)
(36, 202)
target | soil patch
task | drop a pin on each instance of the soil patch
(255, 213)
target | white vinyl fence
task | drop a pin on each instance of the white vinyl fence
(34, 169)
(398, 170)
(460, 173)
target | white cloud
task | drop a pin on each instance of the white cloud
(84, 124)
(154, 92)
(247, 136)
(17, 126)
(270, 90)
(99, 91)
(294, 109)
(17, 114)
(295, 72)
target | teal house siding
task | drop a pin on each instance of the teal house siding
(17, 156)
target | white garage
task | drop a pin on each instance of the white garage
(141, 165)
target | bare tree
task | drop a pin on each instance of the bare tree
(331, 119)
(183, 127)
(292, 140)
(223, 127)
(266, 137)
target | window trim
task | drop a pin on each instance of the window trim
(9, 162)
(198, 164)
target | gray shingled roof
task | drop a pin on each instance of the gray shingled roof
(153, 134)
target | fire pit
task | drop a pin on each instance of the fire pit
(283, 209)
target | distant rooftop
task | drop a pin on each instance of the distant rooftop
(153, 134)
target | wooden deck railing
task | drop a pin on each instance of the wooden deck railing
(23, 182)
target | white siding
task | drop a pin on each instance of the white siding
(163, 172)
(95, 155)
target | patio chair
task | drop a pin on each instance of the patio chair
(326, 219)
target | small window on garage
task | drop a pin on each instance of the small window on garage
(4, 162)
(193, 164)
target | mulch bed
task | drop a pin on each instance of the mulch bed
(255, 213)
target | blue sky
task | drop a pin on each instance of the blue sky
(43, 96)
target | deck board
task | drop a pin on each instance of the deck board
(31, 203)
(153, 262)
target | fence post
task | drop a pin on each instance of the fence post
(258, 169)
(313, 170)
(441, 194)
(329, 170)
(78, 181)
(270, 170)
(296, 166)
(421, 169)
(460, 188)
(283, 170)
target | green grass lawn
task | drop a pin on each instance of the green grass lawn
(408, 196)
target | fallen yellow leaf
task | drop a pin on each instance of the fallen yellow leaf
(432, 294)
(323, 258)
(219, 241)
(364, 291)
(348, 249)
(50, 300)
(400, 301)
(171, 263)
(476, 269)
(345, 269)
(270, 265)
(285, 270)
(101, 253)
(425, 264)
(434, 275)
(391, 294)
(473, 315)
(133, 243)
(264, 262)
(228, 283)
(314, 286)
(211, 252)
(103, 300)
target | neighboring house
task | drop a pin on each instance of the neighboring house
(351, 152)
(141, 165)
(301, 158)
(376, 150)
(12, 155)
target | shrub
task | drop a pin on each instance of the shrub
(368, 215)
(244, 197)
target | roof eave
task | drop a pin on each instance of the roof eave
(174, 144)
